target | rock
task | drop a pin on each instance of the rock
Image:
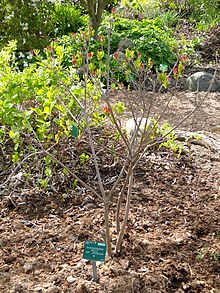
(203, 138)
(18, 288)
(39, 289)
(53, 289)
(28, 267)
(125, 44)
(71, 279)
(201, 81)
(215, 128)
(131, 125)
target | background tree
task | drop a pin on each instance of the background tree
(29, 22)
(95, 9)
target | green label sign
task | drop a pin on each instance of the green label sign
(94, 250)
(163, 67)
(75, 131)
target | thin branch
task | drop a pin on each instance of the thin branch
(100, 181)
(64, 166)
(127, 209)
(18, 166)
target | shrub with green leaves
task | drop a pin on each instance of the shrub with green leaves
(150, 37)
(139, 9)
(29, 22)
(69, 18)
(41, 103)
(40, 106)
(30, 99)
(201, 11)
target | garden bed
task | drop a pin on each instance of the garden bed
(172, 242)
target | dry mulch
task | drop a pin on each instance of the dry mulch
(172, 242)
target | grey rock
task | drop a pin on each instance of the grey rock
(28, 267)
(71, 279)
(19, 288)
(53, 289)
(140, 124)
(125, 44)
(201, 81)
(39, 289)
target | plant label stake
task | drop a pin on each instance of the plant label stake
(94, 271)
(94, 251)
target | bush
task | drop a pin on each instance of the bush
(150, 37)
(198, 10)
(30, 99)
(39, 105)
(68, 18)
(133, 9)
(29, 22)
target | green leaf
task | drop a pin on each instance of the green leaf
(11, 134)
(48, 172)
(47, 110)
(38, 111)
(120, 108)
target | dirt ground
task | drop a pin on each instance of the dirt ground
(172, 242)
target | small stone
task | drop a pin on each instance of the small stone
(142, 124)
(53, 289)
(18, 288)
(71, 279)
(28, 267)
(215, 128)
(83, 261)
(39, 289)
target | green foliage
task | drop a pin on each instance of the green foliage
(171, 143)
(68, 18)
(140, 9)
(188, 48)
(150, 38)
(77, 45)
(45, 98)
(204, 12)
(83, 158)
(41, 101)
(169, 18)
(34, 23)
(27, 21)
(207, 253)
(30, 99)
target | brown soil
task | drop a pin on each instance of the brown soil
(172, 242)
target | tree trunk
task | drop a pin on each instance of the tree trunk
(95, 10)
(95, 25)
